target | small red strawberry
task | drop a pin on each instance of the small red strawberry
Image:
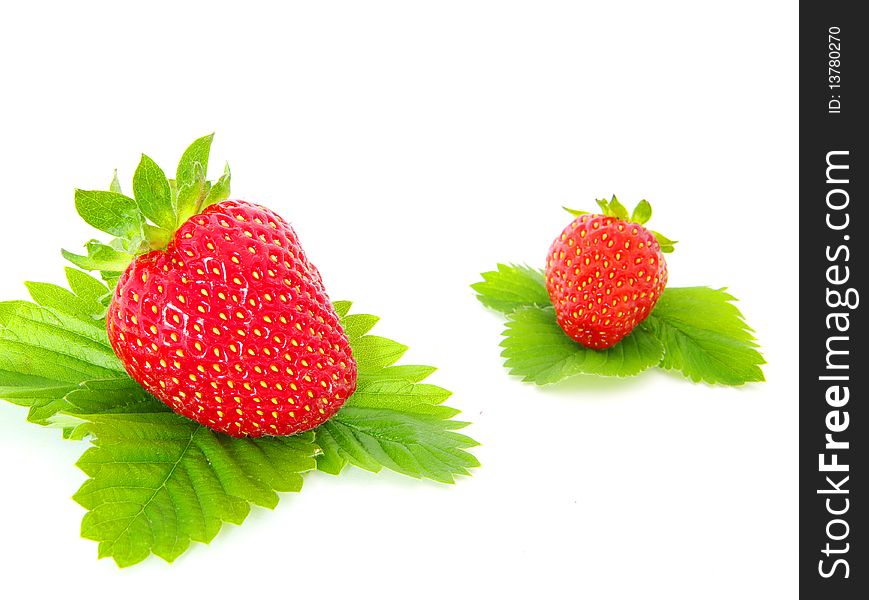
(605, 272)
(231, 326)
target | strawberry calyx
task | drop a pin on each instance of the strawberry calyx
(148, 219)
(640, 215)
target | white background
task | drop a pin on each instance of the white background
(414, 145)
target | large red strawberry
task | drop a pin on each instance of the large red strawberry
(605, 272)
(231, 326)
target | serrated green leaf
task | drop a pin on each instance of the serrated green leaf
(63, 301)
(115, 185)
(110, 212)
(38, 342)
(538, 350)
(153, 195)
(512, 287)
(42, 395)
(337, 450)
(82, 340)
(410, 398)
(16, 316)
(87, 288)
(642, 213)
(159, 481)
(374, 352)
(409, 373)
(695, 330)
(392, 420)
(48, 399)
(118, 394)
(357, 325)
(705, 337)
(415, 445)
(331, 462)
(342, 307)
(574, 212)
(195, 154)
(220, 190)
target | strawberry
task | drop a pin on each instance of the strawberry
(231, 326)
(605, 272)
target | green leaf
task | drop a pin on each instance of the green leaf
(412, 398)
(105, 396)
(512, 287)
(374, 352)
(110, 212)
(409, 373)
(642, 213)
(56, 339)
(147, 466)
(414, 445)
(342, 307)
(357, 325)
(100, 258)
(617, 209)
(220, 190)
(667, 245)
(111, 278)
(705, 337)
(613, 208)
(152, 193)
(115, 185)
(392, 421)
(538, 350)
(42, 395)
(63, 301)
(159, 481)
(119, 244)
(52, 404)
(574, 212)
(191, 195)
(698, 331)
(173, 191)
(158, 237)
(86, 287)
(331, 461)
(196, 154)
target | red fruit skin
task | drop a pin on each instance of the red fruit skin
(231, 326)
(604, 276)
